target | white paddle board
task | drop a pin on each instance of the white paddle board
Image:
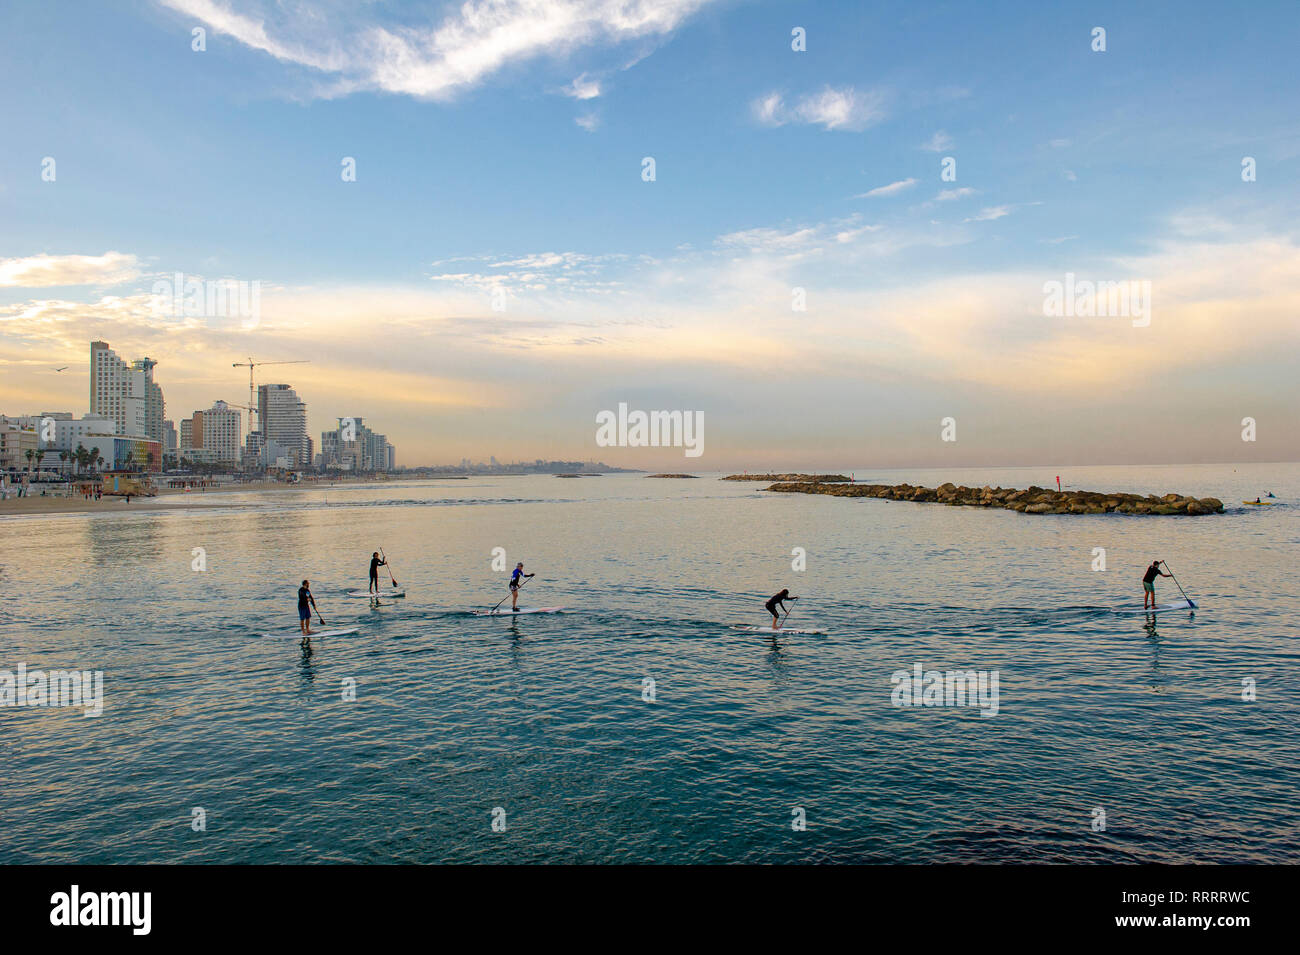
(515, 613)
(753, 629)
(1176, 605)
(336, 632)
(380, 593)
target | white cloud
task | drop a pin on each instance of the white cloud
(588, 121)
(44, 271)
(583, 87)
(357, 49)
(890, 190)
(947, 195)
(938, 142)
(989, 214)
(846, 108)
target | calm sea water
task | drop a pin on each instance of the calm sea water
(543, 715)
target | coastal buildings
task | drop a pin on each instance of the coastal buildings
(212, 436)
(125, 393)
(354, 447)
(282, 419)
(15, 442)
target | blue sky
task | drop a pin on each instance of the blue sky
(502, 148)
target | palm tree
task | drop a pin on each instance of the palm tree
(63, 457)
(95, 459)
(30, 454)
(39, 455)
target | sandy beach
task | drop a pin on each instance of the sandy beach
(169, 498)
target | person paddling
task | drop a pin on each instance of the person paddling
(516, 581)
(306, 604)
(375, 564)
(778, 600)
(1149, 583)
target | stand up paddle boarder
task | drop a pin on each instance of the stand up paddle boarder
(1149, 583)
(306, 604)
(778, 600)
(375, 564)
(516, 581)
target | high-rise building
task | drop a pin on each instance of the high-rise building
(212, 436)
(169, 435)
(354, 447)
(282, 419)
(153, 400)
(118, 391)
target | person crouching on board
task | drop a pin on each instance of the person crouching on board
(306, 604)
(777, 600)
(1149, 583)
(375, 564)
(516, 581)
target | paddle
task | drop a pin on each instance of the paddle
(390, 570)
(787, 610)
(1189, 600)
(507, 596)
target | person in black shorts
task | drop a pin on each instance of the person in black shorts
(375, 564)
(775, 601)
(1149, 583)
(306, 604)
(516, 581)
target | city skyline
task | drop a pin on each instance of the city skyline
(499, 269)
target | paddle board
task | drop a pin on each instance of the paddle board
(337, 632)
(381, 593)
(515, 613)
(1176, 605)
(1260, 503)
(754, 629)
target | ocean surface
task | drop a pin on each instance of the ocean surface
(543, 717)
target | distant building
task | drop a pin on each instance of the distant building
(126, 393)
(153, 401)
(170, 443)
(212, 436)
(15, 442)
(282, 417)
(354, 447)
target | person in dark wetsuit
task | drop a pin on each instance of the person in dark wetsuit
(516, 581)
(306, 604)
(1149, 583)
(777, 600)
(375, 564)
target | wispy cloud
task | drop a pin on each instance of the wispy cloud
(588, 121)
(938, 142)
(45, 271)
(845, 108)
(989, 214)
(893, 189)
(948, 195)
(356, 48)
(583, 87)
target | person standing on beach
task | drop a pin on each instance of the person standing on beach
(375, 564)
(306, 604)
(516, 581)
(1149, 583)
(775, 601)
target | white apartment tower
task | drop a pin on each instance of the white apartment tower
(117, 391)
(282, 418)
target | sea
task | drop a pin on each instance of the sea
(644, 723)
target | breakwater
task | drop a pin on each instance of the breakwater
(1032, 500)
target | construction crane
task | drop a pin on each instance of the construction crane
(252, 392)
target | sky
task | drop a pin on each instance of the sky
(502, 267)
